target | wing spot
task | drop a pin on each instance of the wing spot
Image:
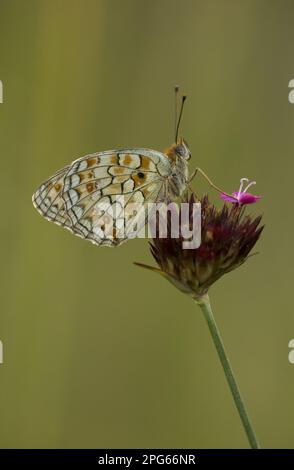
(91, 162)
(127, 159)
(117, 170)
(145, 163)
(90, 187)
(114, 160)
(139, 179)
(114, 233)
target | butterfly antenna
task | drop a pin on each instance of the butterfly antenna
(177, 88)
(180, 117)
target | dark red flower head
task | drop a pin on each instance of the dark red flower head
(227, 237)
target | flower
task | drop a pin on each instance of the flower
(242, 197)
(227, 237)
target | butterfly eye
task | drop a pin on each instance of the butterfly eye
(180, 150)
(183, 151)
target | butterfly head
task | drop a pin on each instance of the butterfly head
(182, 150)
(178, 151)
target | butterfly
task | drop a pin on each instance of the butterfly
(91, 196)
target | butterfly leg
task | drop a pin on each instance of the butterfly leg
(208, 180)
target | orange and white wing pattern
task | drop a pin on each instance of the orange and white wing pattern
(48, 200)
(91, 196)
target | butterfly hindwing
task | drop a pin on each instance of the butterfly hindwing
(94, 196)
(48, 200)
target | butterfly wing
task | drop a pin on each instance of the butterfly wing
(48, 199)
(94, 197)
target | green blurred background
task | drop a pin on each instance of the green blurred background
(98, 353)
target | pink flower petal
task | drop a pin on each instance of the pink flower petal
(228, 198)
(247, 198)
(242, 198)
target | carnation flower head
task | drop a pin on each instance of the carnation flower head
(227, 238)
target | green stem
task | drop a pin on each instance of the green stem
(206, 309)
